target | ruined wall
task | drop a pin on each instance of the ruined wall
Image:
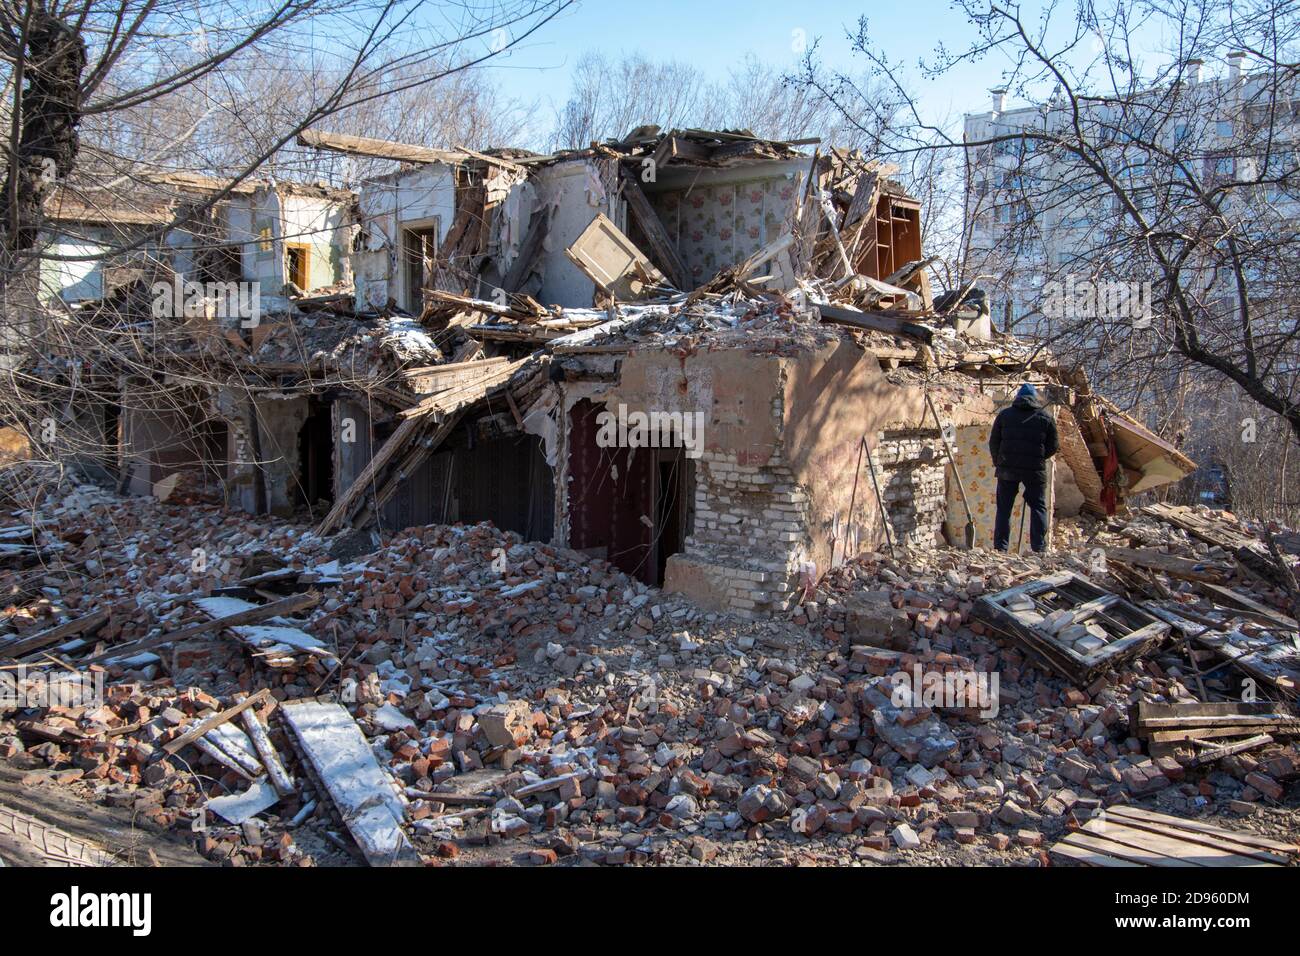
(419, 197)
(718, 217)
(775, 502)
(320, 225)
(911, 465)
(575, 192)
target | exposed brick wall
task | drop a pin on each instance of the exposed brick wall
(911, 466)
(752, 522)
(750, 526)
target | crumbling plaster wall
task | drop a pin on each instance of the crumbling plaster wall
(267, 248)
(575, 192)
(320, 224)
(775, 503)
(831, 400)
(387, 205)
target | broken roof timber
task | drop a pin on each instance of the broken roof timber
(379, 148)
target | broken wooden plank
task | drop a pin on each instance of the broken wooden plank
(1242, 837)
(377, 148)
(343, 506)
(842, 315)
(459, 396)
(1231, 598)
(1136, 836)
(53, 635)
(279, 777)
(220, 756)
(277, 640)
(249, 615)
(230, 713)
(1206, 841)
(1226, 750)
(333, 745)
(1175, 567)
(661, 244)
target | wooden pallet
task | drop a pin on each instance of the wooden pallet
(1130, 630)
(1131, 836)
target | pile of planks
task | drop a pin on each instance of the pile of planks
(1130, 836)
(1199, 733)
(1216, 530)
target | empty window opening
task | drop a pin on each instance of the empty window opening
(297, 258)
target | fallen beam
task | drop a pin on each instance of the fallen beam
(876, 322)
(377, 148)
(230, 713)
(339, 755)
(295, 602)
(53, 635)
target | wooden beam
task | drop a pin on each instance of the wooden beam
(215, 721)
(875, 321)
(377, 148)
(661, 244)
(295, 602)
(403, 434)
(36, 642)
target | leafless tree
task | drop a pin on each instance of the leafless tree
(610, 98)
(102, 96)
(1128, 169)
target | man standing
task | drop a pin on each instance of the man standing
(1023, 438)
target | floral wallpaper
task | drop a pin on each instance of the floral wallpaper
(717, 226)
(977, 473)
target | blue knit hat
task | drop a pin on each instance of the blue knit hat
(1027, 391)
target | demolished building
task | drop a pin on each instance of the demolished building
(760, 318)
(756, 440)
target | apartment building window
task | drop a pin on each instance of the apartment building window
(1223, 128)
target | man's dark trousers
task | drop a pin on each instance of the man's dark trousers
(1035, 498)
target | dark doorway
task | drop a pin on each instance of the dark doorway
(630, 506)
(316, 456)
(671, 507)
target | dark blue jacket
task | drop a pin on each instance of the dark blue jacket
(1023, 438)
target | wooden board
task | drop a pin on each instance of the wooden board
(35, 642)
(1138, 837)
(338, 753)
(612, 261)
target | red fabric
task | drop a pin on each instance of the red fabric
(1109, 472)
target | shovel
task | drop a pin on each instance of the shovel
(961, 488)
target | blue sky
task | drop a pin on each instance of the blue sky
(713, 34)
